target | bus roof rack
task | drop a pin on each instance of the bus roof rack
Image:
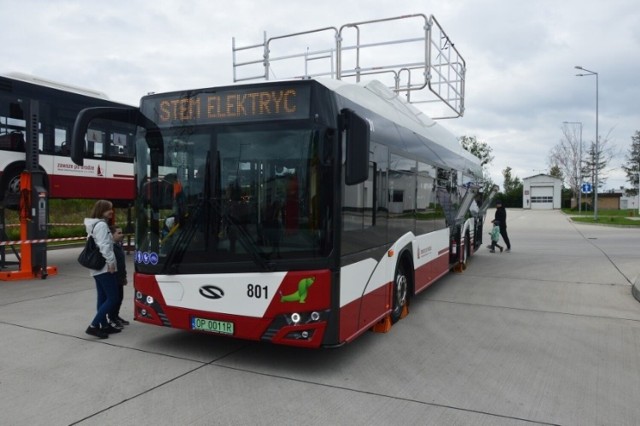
(421, 57)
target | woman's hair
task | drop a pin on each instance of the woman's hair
(100, 207)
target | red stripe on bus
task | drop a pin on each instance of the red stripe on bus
(90, 187)
(429, 273)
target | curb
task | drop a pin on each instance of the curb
(635, 289)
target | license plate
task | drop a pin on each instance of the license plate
(211, 326)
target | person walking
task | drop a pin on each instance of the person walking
(106, 285)
(495, 236)
(121, 277)
(501, 218)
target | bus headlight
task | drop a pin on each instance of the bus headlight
(303, 318)
(150, 300)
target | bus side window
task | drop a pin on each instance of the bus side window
(95, 143)
(118, 144)
(13, 141)
(60, 141)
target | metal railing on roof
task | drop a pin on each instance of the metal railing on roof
(420, 58)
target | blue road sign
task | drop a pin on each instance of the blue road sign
(586, 188)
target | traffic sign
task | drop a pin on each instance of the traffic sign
(586, 188)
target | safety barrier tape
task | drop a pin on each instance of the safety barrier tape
(45, 240)
(12, 225)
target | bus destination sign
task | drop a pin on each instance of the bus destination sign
(253, 104)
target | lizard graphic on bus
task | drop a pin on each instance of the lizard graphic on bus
(301, 295)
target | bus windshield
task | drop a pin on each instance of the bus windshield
(212, 196)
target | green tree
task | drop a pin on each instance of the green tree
(632, 166)
(480, 149)
(595, 161)
(511, 189)
(510, 182)
(556, 172)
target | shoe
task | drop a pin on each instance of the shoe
(509, 249)
(109, 329)
(492, 251)
(122, 321)
(98, 332)
(116, 324)
(500, 249)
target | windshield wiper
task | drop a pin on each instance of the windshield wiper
(249, 244)
(185, 236)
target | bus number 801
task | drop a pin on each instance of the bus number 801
(257, 292)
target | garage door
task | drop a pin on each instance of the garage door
(542, 197)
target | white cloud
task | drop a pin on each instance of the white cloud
(520, 55)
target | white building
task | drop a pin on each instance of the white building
(630, 203)
(541, 192)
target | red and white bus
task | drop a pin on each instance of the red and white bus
(108, 169)
(299, 212)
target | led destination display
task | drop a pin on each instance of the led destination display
(229, 106)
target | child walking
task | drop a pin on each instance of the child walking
(121, 277)
(495, 237)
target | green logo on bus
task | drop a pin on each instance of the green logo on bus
(301, 295)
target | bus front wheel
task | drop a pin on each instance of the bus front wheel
(400, 293)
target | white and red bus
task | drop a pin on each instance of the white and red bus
(299, 212)
(109, 148)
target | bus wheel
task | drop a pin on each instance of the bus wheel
(466, 254)
(400, 294)
(13, 185)
(10, 184)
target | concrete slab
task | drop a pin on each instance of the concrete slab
(48, 378)
(546, 334)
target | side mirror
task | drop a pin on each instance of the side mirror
(357, 147)
(84, 118)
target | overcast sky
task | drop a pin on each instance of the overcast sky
(520, 58)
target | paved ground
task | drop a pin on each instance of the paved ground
(546, 334)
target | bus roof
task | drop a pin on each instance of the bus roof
(27, 78)
(373, 96)
(379, 99)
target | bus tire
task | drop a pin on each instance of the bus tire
(400, 292)
(10, 185)
(467, 250)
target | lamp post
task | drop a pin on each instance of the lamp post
(579, 166)
(597, 153)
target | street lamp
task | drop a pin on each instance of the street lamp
(579, 166)
(597, 153)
